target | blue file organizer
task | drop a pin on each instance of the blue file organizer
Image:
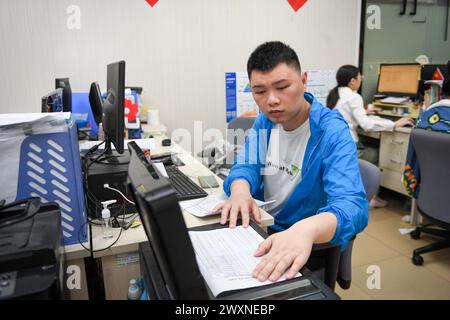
(50, 168)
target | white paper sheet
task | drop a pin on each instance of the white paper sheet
(203, 207)
(159, 166)
(404, 231)
(15, 118)
(395, 100)
(226, 258)
(142, 143)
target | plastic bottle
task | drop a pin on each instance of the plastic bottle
(106, 216)
(134, 291)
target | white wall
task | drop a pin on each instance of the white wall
(178, 50)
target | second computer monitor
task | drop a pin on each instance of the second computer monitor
(113, 106)
(96, 102)
(399, 79)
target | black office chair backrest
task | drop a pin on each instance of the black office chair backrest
(242, 124)
(433, 152)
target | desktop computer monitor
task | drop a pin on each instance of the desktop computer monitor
(165, 228)
(113, 107)
(106, 166)
(96, 102)
(399, 79)
(64, 84)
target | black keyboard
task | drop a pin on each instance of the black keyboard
(185, 188)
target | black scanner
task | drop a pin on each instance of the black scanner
(31, 245)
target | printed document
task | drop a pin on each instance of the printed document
(203, 207)
(226, 258)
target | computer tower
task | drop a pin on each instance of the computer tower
(115, 176)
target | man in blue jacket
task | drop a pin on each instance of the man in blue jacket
(300, 155)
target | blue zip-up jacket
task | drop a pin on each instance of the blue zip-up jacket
(331, 181)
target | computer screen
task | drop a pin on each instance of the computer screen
(67, 93)
(399, 79)
(96, 102)
(165, 228)
(113, 107)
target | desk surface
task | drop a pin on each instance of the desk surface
(130, 239)
(377, 134)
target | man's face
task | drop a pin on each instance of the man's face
(279, 93)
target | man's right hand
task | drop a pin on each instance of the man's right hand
(240, 202)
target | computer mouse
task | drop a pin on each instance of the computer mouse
(166, 143)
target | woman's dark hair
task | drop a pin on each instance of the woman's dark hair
(446, 86)
(344, 75)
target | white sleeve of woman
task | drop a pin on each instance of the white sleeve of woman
(364, 121)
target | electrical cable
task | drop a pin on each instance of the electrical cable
(93, 203)
(98, 250)
(118, 191)
(86, 167)
(96, 159)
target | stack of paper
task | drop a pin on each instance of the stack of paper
(226, 258)
(16, 118)
(395, 100)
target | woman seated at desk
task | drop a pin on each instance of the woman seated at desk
(345, 98)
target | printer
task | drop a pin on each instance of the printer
(31, 255)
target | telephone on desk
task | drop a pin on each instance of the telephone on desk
(168, 159)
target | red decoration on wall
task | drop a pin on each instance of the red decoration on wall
(151, 2)
(297, 4)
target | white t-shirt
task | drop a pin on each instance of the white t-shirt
(351, 106)
(284, 163)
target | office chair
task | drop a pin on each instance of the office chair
(220, 157)
(433, 153)
(370, 175)
(241, 123)
(338, 265)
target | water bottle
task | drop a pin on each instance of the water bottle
(134, 291)
(107, 223)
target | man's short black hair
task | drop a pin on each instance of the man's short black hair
(269, 55)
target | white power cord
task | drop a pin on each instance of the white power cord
(106, 186)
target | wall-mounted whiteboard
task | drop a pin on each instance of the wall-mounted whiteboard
(320, 83)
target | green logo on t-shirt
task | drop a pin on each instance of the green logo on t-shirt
(295, 170)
